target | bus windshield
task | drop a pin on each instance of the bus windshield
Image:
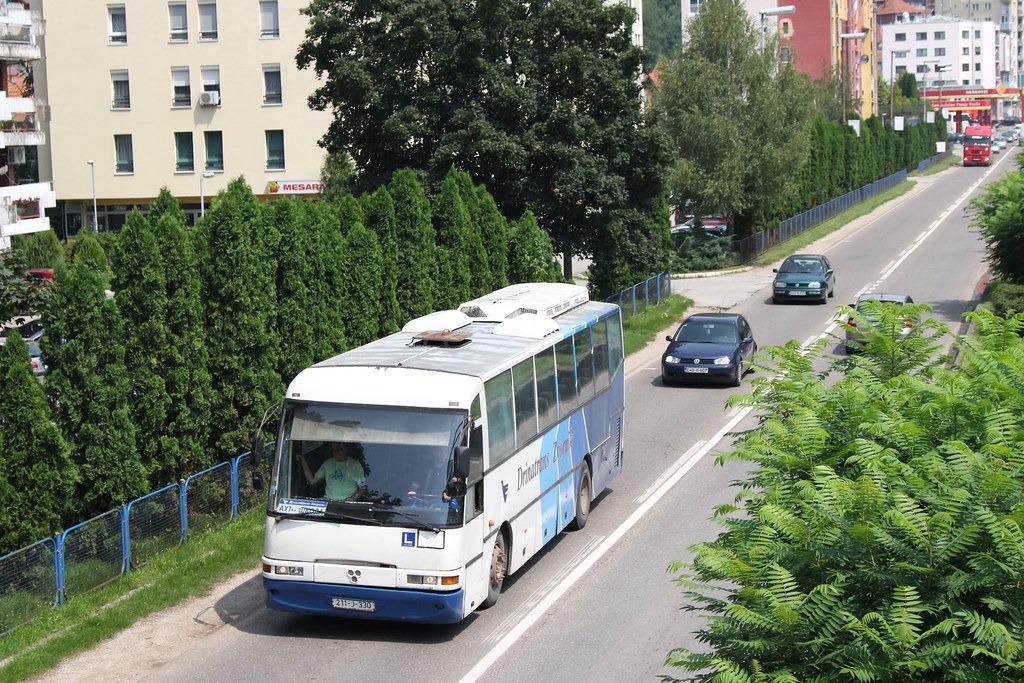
(399, 462)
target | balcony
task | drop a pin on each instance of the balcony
(22, 208)
(18, 30)
(23, 131)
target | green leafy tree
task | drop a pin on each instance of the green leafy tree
(163, 204)
(737, 120)
(185, 359)
(296, 307)
(380, 218)
(87, 383)
(327, 284)
(138, 283)
(531, 258)
(18, 296)
(241, 315)
(662, 22)
(494, 232)
(336, 176)
(877, 533)
(476, 251)
(41, 249)
(536, 100)
(361, 268)
(38, 478)
(999, 212)
(415, 232)
(454, 282)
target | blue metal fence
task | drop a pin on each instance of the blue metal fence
(749, 248)
(637, 298)
(98, 551)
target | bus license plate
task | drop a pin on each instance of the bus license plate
(357, 605)
(702, 371)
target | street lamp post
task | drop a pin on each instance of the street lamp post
(202, 197)
(772, 12)
(859, 35)
(95, 216)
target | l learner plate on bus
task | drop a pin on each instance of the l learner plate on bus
(357, 605)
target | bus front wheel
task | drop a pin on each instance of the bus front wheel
(499, 569)
(582, 498)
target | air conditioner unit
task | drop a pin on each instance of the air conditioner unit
(209, 98)
(15, 155)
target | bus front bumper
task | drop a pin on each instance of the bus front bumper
(364, 602)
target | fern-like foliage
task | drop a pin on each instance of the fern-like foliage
(879, 535)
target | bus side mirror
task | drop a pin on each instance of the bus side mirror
(256, 454)
(257, 480)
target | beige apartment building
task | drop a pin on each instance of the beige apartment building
(187, 94)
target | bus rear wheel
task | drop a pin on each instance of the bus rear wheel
(582, 498)
(499, 569)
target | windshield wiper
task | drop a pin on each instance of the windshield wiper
(417, 522)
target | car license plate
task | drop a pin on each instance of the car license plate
(702, 371)
(357, 605)
(797, 293)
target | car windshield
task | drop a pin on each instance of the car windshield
(404, 456)
(801, 266)
(708, 332)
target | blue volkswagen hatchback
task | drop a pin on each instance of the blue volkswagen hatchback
(709, 347)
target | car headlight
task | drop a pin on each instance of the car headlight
(723, 360)
(673, 359)
(814, 285)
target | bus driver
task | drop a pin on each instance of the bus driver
(344, 475)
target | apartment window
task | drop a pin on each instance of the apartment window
(182, 87)
(271, 84)
(275, 149)
(965, 67)
(694, 6)
(124, 160)
(921, 52)
(214, 140)
(117, 24)
(208, 21)
(178, 17)
(940, 52)
(965, 34)
(784, 55)
(183, 157)
(940, 35)
(122, 98)
(901, 37)
(977, 34)
(269, 26)
(211, 84)
(922, 68)
(977, 66)
(966, 52)
(921, 35)
(977, 50)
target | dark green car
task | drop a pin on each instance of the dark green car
(804, 277)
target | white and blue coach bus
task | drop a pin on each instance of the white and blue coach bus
(479, 434)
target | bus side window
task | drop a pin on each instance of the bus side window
(547, 389)
(601, 359)
(614, 343)
(565, 369)
(501, 431)
(584, 365)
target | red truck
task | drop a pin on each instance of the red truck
(978, 146)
